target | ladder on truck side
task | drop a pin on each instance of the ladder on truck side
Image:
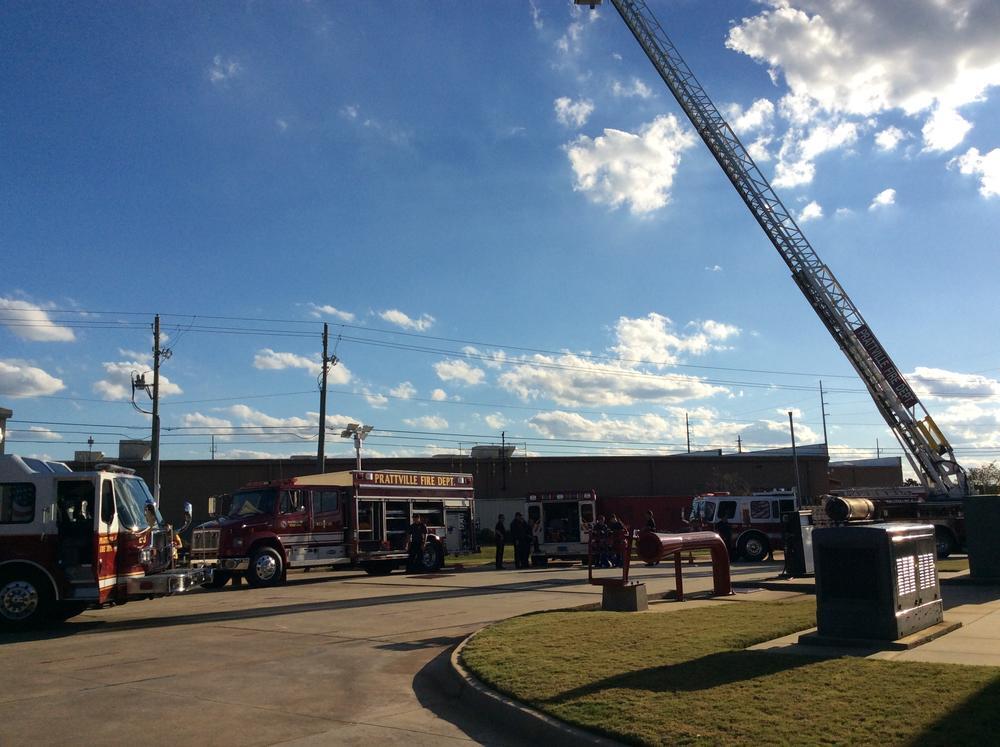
(927, 450)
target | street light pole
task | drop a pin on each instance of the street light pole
(359, 433)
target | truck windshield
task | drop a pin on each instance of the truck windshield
(131, 498)
(253, 502)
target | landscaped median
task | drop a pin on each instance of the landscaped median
(684, 677)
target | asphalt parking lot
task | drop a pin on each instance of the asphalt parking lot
(330, 657)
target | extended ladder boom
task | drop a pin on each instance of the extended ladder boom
(926, 448)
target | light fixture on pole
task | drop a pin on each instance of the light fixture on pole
(360, 433)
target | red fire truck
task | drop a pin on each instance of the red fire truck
(754, 520)
(338, 518)
(73, 540)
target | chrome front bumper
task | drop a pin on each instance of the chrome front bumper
(236, 565)
(175, 581)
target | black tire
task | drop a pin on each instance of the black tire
(432, 558)
(267, 568)
(945, 542)
(219, 579)
(381, 568)
(26, 600)
(754, 547)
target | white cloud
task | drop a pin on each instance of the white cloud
(33, 433)
(198, 420)
(842, 212)
(117, 383)
(987, 167)
(760, 115)
(327, 310)
(758, 150)
(281, 124)
(571, 42)
(654, 339)
(429, 422)
(928, 381)
(800, 149)
(439, 395)
(945, 130)
(459, 370)
(573, 113)
(714, 268)
(405, 390)
(271, 360)
(889, 138)
(495, 420)
(20, 378)
(268, 427)
(638, 169)
(810, 212)
(536, 15)
(397, 317)
(634, 89)
(350, 111)
(31, 322)
(222, 70)
(376, 400)
(861, 59)
(883, 199)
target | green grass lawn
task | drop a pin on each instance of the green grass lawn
(683, 677)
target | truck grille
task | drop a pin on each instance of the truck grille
(205, 540)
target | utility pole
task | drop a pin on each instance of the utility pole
(213, 447)
(822, 409)
(155, 446)
(795, 456)
(739, 444)
(878, 451)
(687, 428)
(328, 360)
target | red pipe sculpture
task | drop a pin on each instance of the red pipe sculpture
(654, 547)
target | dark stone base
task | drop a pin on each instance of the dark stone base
(631, 598)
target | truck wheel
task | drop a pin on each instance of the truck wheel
(266, 567)
(431, 559)
(382, 568)
(945, 542)
(219, 579)
(26, 600)
(754, 548)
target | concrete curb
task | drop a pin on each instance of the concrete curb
(523, 723)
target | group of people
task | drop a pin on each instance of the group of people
(521, 534)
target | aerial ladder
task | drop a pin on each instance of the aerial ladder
(926, 448)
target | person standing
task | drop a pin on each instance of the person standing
(617, 531)
(725, 531)
(500, 535)
(520, 535)
(416, 536)
(650, 521)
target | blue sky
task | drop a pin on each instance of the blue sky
(503, 216)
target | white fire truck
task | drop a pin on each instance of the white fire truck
(754, 520)
(73, 540)
(337, 518)
(560, 523)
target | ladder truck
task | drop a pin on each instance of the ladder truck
(927, 450)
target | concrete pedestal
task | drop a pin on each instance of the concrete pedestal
(631, 598)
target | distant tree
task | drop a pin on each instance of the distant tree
(985, 478)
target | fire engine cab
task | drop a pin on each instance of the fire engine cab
(754, 520)
(73, 540)
(337, 518)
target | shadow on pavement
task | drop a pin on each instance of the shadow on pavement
(95, 626)
(440, 692)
